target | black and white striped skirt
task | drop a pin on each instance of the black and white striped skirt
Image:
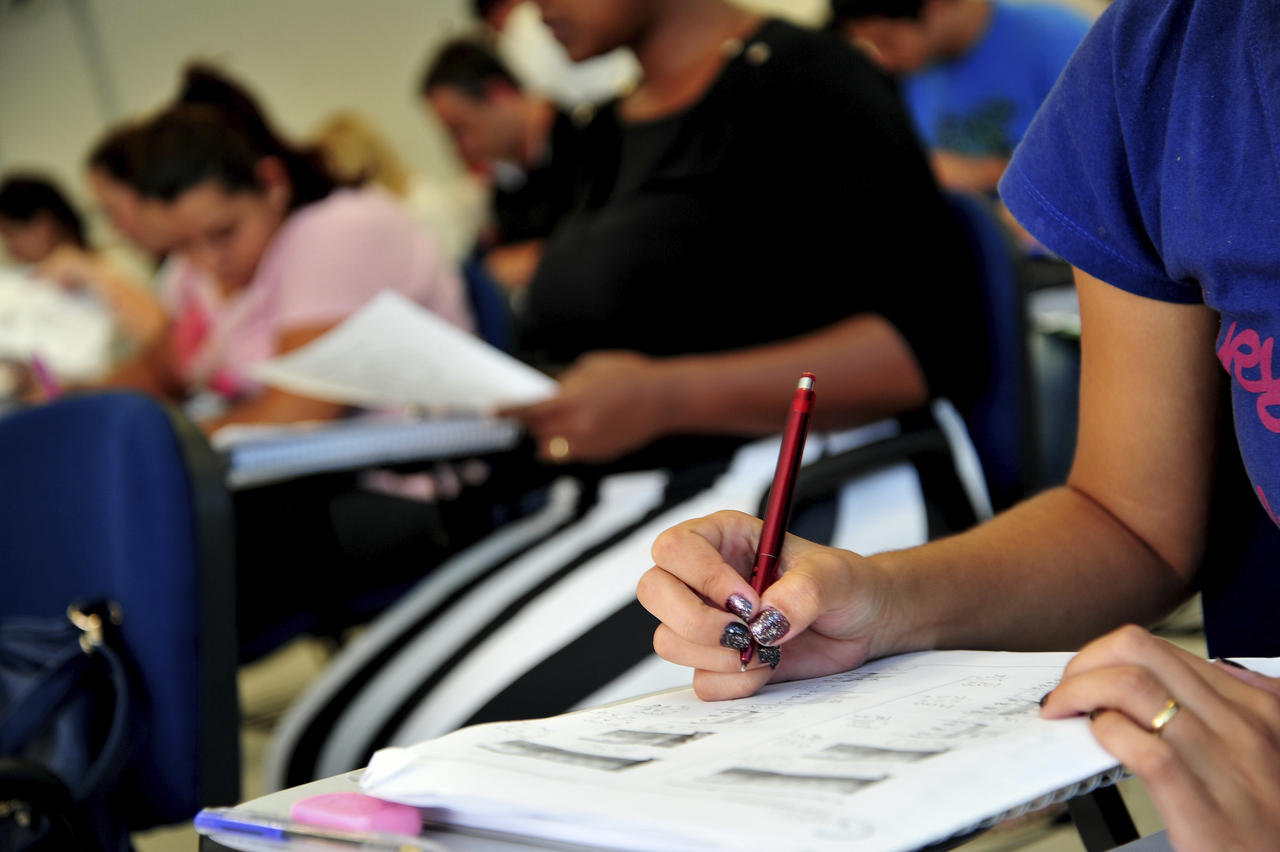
(541, 616)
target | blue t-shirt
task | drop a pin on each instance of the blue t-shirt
(1155, 166)
(981, 103)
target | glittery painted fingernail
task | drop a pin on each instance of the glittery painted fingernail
(736, 636)
(771, 655)
(739, 606)
(769, 626)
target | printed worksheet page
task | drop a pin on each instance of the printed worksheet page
(895, 755)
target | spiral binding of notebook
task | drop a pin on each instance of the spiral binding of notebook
(1082, 788)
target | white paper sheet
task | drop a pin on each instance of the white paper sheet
(394, 352)
(71, 334)
(895, 755)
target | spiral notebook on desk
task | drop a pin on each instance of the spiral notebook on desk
(259, 455)
(899, 754)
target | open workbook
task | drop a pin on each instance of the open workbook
(434, 387)
(897, 755)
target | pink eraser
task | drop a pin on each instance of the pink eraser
(357, 812)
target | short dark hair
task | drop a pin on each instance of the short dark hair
(859, 10)
(23, 197)
(466, 64)
(189, 144)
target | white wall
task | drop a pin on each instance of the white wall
(71, 68)
(304, 59)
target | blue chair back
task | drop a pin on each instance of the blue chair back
(488, 305)
(115, 496)
(999, 420)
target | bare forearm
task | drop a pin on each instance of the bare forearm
(138, 312)
(865, 372)
(1052, 573)
(967, 172)
(149, 371)
(274, 406)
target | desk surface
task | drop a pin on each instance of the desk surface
(278, 804)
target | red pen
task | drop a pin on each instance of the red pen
(778, 509)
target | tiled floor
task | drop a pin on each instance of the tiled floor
(267, 687)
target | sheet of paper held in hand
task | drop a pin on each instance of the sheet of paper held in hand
(394, 352)
(895, 755)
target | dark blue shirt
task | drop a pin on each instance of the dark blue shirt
(1153, 166)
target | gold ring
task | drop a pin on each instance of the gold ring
(558, 448)
(1165, 715)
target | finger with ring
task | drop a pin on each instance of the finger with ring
(1164, 717)
(558, 448)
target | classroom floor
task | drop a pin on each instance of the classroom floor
(268, 686)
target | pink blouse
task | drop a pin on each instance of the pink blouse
(327, 260)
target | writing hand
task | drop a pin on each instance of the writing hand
(1213, 768)
(832, 604)
(609, 403)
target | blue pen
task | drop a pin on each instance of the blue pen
(282, 831)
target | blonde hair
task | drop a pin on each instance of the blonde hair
(356, 153)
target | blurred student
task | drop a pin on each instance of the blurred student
(357, 154)
(540, 63)
(47, 337)
(40, 228)
(758, 206)
(1169, 223)
(765, 176)
(973, 72)
(273, 256)
(286, 256)
(36, 219)
(114, 168)
(76, 266)
(528, 149)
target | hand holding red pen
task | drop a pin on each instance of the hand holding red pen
(834, 601)
(698, 590)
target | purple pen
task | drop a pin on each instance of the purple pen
(236, 821)
(44, 377)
